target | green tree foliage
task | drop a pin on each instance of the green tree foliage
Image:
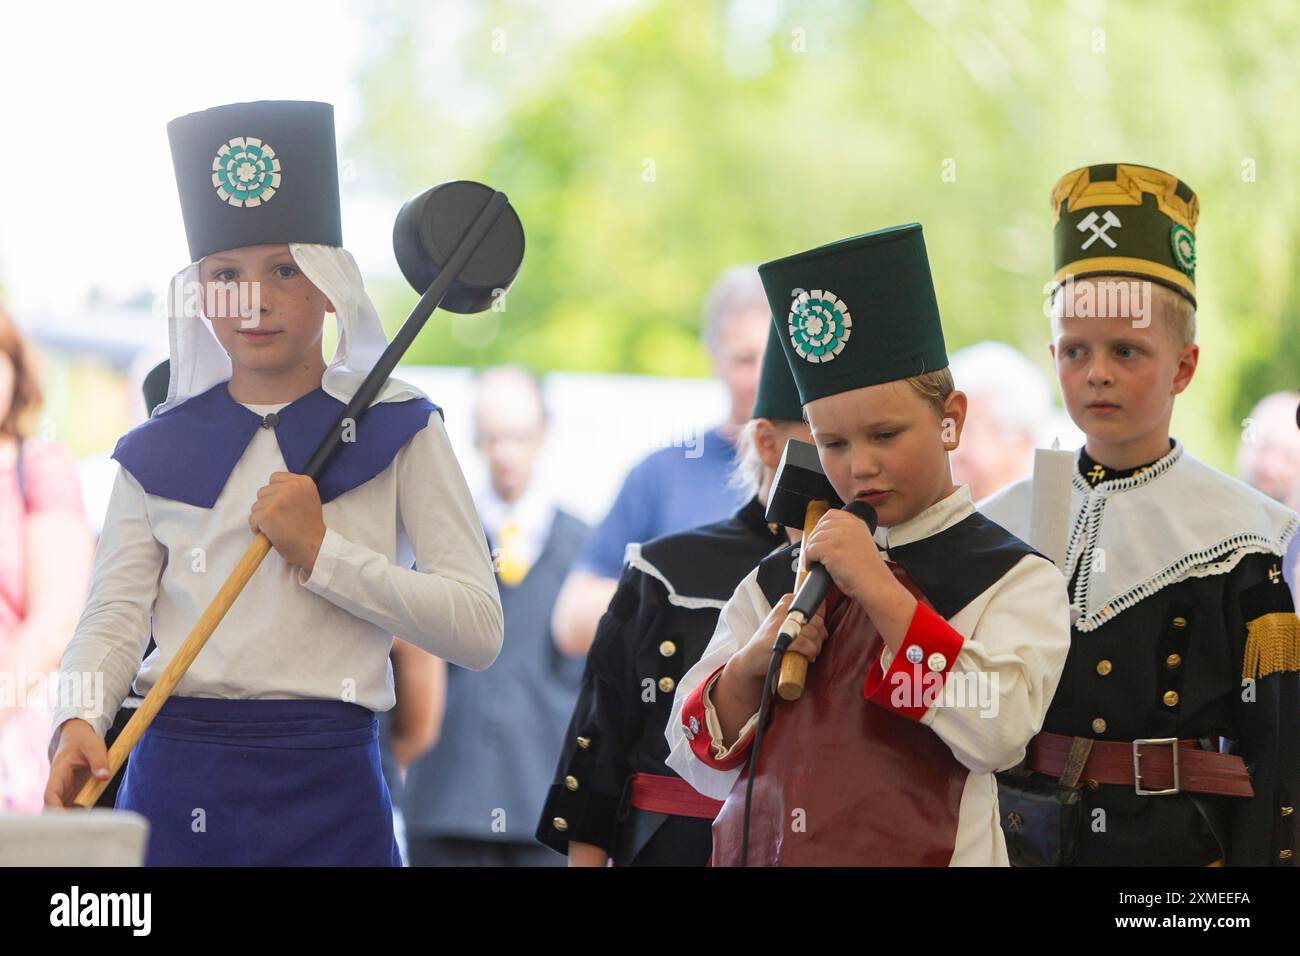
(649, 148)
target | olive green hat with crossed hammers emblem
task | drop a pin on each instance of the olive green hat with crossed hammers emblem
(857, 312)
(1127, 220)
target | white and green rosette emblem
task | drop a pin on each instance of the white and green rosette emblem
(819, 325)
(1184, 244)
(246, 172)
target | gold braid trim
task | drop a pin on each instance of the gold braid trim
(1124, 266)
(1125, 189)
(1272, 645)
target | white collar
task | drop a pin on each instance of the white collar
(1145, 475)
(1180, 518)
(941, 515)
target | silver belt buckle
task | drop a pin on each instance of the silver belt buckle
(1137, 766)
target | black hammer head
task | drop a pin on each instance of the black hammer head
(799, 481)
(430, 225)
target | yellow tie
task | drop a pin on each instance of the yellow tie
(511, 566)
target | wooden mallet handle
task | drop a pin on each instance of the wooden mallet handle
(477, 228)
(794, 666)
(177, 667)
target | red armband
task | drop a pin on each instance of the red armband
(915, 677)
(696, 728)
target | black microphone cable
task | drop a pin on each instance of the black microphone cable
(779, 647)
(782, 643)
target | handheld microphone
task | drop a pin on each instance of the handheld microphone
(813, 591)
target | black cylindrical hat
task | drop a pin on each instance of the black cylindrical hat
(257, 173)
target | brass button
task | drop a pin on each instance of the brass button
(584, 742)
(1104, 667)
(1287, 811)
(1179, 622)
(1171, 698)
(1099, 726)
(666, 684)
(1173, 660)
(1092, 785)
(560, 824)
(571, 782)
(1284, 855)
(667, 648)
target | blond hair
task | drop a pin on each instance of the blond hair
(747, 475)
(1180, 314)
(935, 387)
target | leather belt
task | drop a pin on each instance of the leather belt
(671, 795)
(1153, 767)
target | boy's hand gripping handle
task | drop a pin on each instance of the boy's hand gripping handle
(794, 666)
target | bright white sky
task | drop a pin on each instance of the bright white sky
(88, 196)
(87, 193)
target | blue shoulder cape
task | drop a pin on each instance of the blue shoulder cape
(188, 452)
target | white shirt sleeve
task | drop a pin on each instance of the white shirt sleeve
(114, 627)
(449, 604)
(741, 616)
(1008, 667)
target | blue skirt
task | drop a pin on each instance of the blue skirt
(261, 783)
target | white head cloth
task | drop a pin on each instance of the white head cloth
(198, 362)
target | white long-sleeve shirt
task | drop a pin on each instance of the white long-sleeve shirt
(288, 635)
(1016, 635)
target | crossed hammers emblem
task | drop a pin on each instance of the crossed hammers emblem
(1109, 219)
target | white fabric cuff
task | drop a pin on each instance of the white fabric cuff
(327, 561)
(715, 726)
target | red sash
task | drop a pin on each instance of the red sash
(671, 795)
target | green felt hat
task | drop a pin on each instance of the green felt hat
(777, 397)
(1121, 219)
(857, 312)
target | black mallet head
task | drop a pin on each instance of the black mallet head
(799, 481)
(430, 225)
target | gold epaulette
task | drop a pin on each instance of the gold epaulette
(1272, 645)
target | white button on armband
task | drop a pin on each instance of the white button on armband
(914, 653)
(936, 661)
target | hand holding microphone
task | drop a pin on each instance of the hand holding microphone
(840, 546)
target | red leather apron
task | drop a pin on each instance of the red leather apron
(841, 780)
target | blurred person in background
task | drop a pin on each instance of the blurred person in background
(670, 490)
(1009, 406)
(613, 796)
(1268, 459)
(45, 556)
(411, 729)
(473, 799)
